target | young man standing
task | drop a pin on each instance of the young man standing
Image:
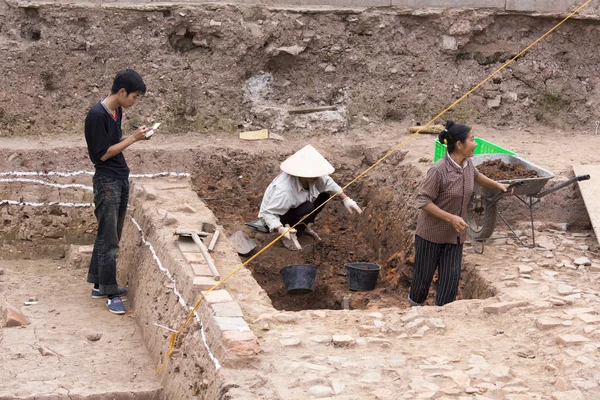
(111, 181)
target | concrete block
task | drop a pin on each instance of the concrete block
(218, 296)
(240, 343)
(229, 309)
(450, 3)
(539, 5)
(502, 307)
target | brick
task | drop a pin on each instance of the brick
(589, 319)
(322, 339)
(501, 372)
(568, 395)
(217, 296)
(525, 269)
(14, 318)
(241, 343)
(229, 309)
(547, 323)
(343, 340)
(571, 339)
(502, 307)
(320, 391)
(290, 342)
(577, 311)
(223, 324)
(564, 289)
(187, 245)
(203, 282)
(200, 269)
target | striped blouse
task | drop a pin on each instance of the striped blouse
(449, 187)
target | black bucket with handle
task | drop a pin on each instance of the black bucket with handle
(362, 277)
(299, 279)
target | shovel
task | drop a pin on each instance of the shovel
(195, 234)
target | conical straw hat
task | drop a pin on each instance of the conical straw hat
(307, 163)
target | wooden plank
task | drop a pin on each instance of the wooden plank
(590, 191)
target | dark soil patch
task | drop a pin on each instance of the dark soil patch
(498, 170)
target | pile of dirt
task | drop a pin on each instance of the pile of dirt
(228, 68)
(498, 170)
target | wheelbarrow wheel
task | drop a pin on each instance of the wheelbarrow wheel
(481, 217)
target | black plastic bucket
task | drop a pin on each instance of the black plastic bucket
(362, 277)
(299, 279)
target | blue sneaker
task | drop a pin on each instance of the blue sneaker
(96, 293)
(115, 305)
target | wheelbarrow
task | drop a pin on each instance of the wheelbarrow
(482, 209)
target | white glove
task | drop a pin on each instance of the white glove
(286, 235)
(351, 205)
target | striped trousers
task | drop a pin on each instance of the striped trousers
(428, 257)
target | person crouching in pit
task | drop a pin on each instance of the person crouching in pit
(441, 226)
(303, 185)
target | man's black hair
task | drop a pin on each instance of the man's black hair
(129, 80)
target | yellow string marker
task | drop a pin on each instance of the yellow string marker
(389, 153)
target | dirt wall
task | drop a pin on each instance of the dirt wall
(226, 68)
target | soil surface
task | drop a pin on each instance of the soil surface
(498, 170)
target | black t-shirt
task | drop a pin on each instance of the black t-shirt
(101, 132)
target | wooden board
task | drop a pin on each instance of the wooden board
(590, 191)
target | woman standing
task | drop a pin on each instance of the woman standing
(441, 226)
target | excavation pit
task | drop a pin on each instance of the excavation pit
(232, 185)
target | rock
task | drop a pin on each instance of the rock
(547, 323)
(337, 387)
(437, 323)
(568, 395)
(568, 339)
(495, 102)
(582, 261)
(525, 269)
(320, 391)
(372, 377)
(214, 23)
(383, 394)
(343, 340)
(421, 332)
(322, 339)
(502, 307)
(501, 372)
(449, 43)
(290, 342)
(94, 337)
(545, 243)
(459, 377)
(12, 317)
(420, 384)
(170, 219)
(564, 289)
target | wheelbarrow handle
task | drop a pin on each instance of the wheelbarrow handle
(512, 185)
(562, 185)
(585, 177)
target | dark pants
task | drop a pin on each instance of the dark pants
(295, 214)
(110, 198)
(428, 257)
